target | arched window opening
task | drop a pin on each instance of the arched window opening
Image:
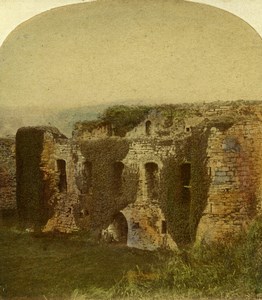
(61, 169)
(152, 180)
(87, 177)
(148, 127)
(118, 169)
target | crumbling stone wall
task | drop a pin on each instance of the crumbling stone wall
(145, 217)
(235, 168)
(7, 175)
(183, 173)
(184, 186)
(172, 217)
(39, 199)
(110, 191)
(58, 167)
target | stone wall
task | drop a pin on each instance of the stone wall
(146, 221)
(101, 183)
(7, 175)
(58, 167)
(234, 162)
(111, 184)
(45, 179)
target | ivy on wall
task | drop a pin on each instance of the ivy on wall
(33, 192)
(174, 205)
(108, 197)
(183, 205)
(124, 118)
(118, 119)
(29, 193)
(200, 177)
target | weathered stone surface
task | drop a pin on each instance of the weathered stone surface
(7, 174)
(198, 168)
(234, 194)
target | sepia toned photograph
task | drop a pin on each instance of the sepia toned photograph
(130, 149)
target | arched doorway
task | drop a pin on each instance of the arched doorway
(117, 231)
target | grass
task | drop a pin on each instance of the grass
(57, 266)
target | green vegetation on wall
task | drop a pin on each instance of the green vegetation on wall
(29, 146)
(90, 125)
(119, 119)
(175, 205)
(200, 177)
(178, 112)
(124, 118)
(182, 204)
(108, 197)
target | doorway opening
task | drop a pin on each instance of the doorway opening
(117, 231)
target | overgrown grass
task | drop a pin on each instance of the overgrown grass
(56, 265)
(75, 267)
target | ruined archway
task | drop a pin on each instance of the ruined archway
(117, 231)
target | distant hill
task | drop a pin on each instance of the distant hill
(66, 118)
(12, 118)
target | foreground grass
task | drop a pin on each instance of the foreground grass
(54, 265)
(75, 267)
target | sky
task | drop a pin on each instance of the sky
(39, 82)
(14, 12)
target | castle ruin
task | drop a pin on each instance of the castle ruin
(176, 175)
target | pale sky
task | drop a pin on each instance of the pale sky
(14, 12)
(135, 72)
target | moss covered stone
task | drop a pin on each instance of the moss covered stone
(183, 200)
(109, 195)
(29, 146)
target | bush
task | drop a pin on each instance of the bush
(232, 270)
(124, 118)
